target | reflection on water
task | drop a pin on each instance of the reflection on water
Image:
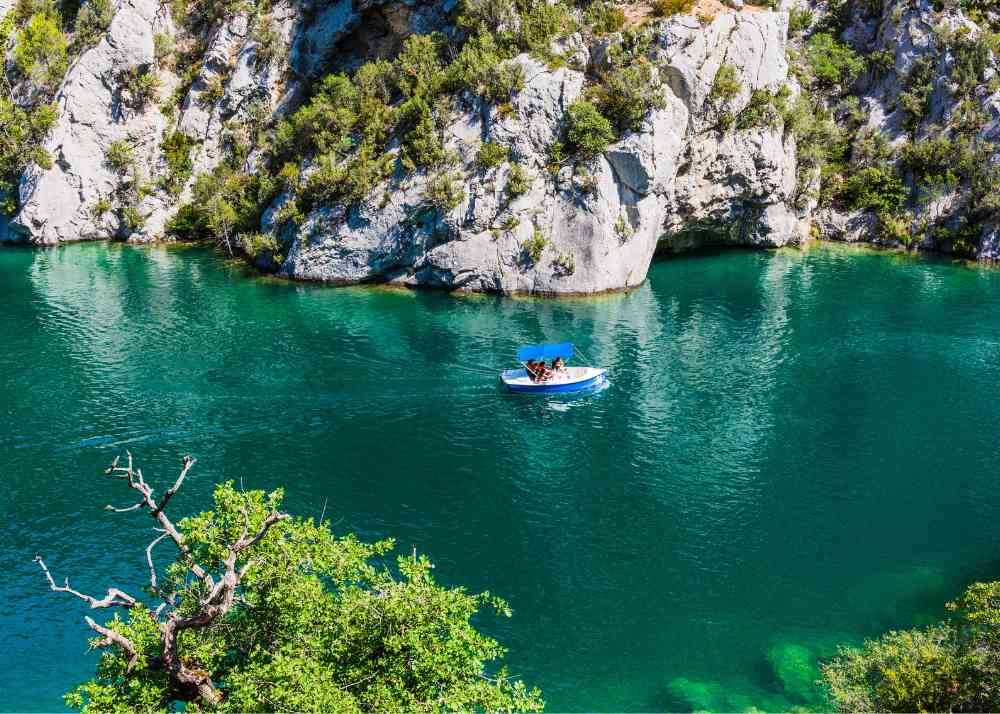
(796, 449)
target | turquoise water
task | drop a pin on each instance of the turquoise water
(797, 448)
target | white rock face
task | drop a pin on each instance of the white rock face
(677, 182)
(57, 204)
(599, 224)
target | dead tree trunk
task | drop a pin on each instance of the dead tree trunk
(189, 684)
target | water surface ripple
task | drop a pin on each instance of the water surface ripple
(796, 447)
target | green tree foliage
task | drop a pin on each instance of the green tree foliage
(176, 150)
(21, 139)
(92, 21)
(833, 64)
(588, 132)
(627, 93)
(668, 8)
(875, 188)
(40, 52)
(492, 154)
(953, 666)
(316, 623)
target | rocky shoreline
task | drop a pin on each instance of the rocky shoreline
(702, 167)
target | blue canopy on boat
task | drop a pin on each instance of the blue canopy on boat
(550, 351)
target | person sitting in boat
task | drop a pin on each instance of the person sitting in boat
(534, 369)
(559, 365)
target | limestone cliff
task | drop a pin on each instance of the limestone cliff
(597, 223)
(717, 158)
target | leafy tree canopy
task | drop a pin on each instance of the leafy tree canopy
(317, 623)
(953, 666)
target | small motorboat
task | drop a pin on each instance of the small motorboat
(567, 379)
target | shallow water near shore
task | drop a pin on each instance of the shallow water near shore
(797, 449)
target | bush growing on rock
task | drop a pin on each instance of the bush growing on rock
(517, 181)
(605, 17)
(833, 64)
(444, 191)
(419, 66)
(543, 22)
(491, 154)
(120, 156)
(915, 98)
(799, 20)
(725, 86)
(139, 86)
(874, 188)
(24, 130)
(253, 244)
(588, 132)
(163, 50)
(40, 52)
(489, 15)
(213, 91)
(952, 666)
(668, 8)
(422, 147)
(626, 94)
(269, 43)
(482, 69)
(92, 21)
(764, 110)
(819, 141)
(533, 247)
(176, 150)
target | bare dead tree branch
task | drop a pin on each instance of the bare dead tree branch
(220, 594)
(135, 481)
(188, 462)
(133, 507)
(114, 598)
(153, 585)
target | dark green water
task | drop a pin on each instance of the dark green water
(796, 449)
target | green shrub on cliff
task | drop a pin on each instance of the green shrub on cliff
(668, 8)
(176, 150)
(21, 139)
(627, 93)
(40, 52)
(952, 666)
(92, 21)
(588, 132)
(833, 64)
(874, 188)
